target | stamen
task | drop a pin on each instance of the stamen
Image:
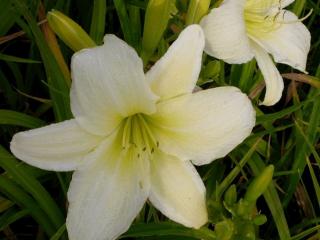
(138, 134)
(260, 23)
(147, 129)
(298, 20)
(126, 133)
(145, 137)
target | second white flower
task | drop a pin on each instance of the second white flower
(239, 30)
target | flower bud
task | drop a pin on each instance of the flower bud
(197, 9)
(260, 220)
(244, 230)
(210, 72)
(215, 211)
(225, 229)
(156, 21)
(244, 209)
(230, 197)
(212, 69)
(259, 184)
(69, 31)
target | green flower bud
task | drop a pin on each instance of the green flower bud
(210, 72)
(156, 21)
(230, 197)
(215, 211)
(259, 184)
(224, 230)
(260, 220)
(244, 209)
(197, 9)
(244, 230)
(69, 31)
(212, 69)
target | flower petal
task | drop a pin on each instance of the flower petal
(285, 3)
(272, 77)
(108, 85)
(264, 6)
(58, 147)
(105, 196)
(177, 71)
(225, 32)
(289, 42)
(177, 190)
(203, 126)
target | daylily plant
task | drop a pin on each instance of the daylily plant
(239, 30)
(133, 136)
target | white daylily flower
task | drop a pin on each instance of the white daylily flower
(239, 30)
(133, 136)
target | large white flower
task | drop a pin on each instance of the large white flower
(133, 136)
(239, 30)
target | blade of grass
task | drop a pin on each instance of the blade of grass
(55, 76)
(30, 184)
(298, 7)
(17, 195)
(235, 72)
(275, 116)
(305, 223)
(135, 20)
(306, 233)
(167, 228)
(10, 117)
(59, 233)
(98, 20)
(246, 77)
(7, 18)
(121, 9)
(302, 150)
(138, 3)
(11, 216)
(9, 58)
(269, 131)
(18, 76)
(314, 181)
(308, 143)
(9, 94)
(5, 204)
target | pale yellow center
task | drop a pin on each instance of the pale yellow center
(137, 134)
(262, 17)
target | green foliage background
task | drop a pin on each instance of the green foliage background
(34, 86)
